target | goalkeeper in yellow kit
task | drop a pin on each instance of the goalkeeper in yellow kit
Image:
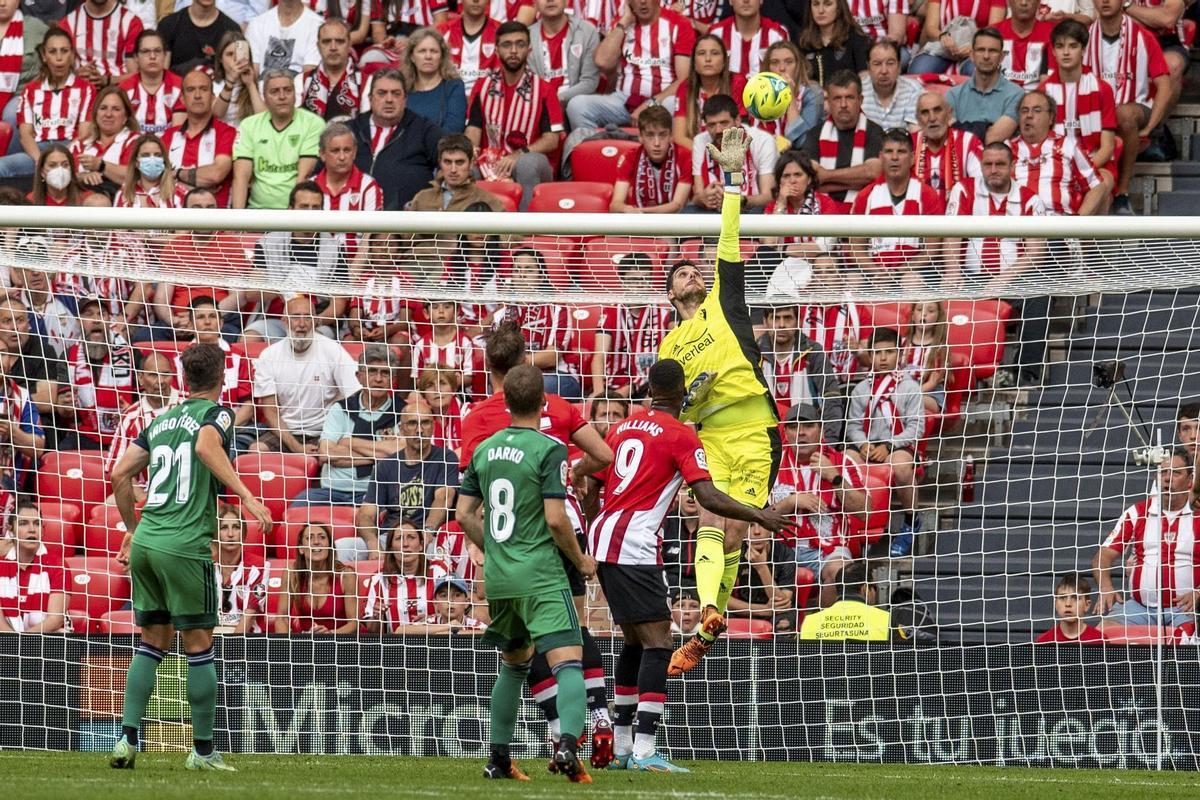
(728, 399)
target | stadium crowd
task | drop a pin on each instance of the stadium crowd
(349, 407)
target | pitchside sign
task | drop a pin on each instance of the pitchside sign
(1063, 706)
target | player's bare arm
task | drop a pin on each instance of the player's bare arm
(564, 536)
(468, 516)
(210, 449)
(713, 499)
(131, 464)
(596, 453)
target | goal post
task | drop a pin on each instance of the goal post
(1054, 427)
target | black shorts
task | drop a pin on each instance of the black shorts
(635, 593)
(574, 577)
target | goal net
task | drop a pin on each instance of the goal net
(1019, 455)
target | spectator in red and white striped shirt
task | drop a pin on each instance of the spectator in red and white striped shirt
(445, 343)
(1086, 108)
(441, 387)
(54, 108)
(32, 579)
(13, 34)
(401, 594)
(154, 91)
(1128, 57)
(154, 376)
(1056, 169)
(650, 47)
(720, 114)
(201, 147)
(242, 581)
(344, 186)
(102, 157)
(150, 179)
(747, 34)
(1027, 48)
(883, 19)
(628, 334)
(104, 33)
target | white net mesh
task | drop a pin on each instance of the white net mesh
(1036, 391)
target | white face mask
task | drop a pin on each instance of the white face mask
(58, 178)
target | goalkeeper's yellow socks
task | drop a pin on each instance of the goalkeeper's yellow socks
(728, 579)
(139, 685)
(710, 564)
(202, 698)
(572, 697)
(506, 700)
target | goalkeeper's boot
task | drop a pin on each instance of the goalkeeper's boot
(213, 762)
(602, 744)
(566, 759)
(123, 754)
(654, 763)
(693, 650)
(497, 771)
(620, 761)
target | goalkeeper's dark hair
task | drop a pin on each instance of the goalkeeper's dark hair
(678, 265)
(505, 347)
(203, 367)
(523, 390)
(666, 377)
(719, 104)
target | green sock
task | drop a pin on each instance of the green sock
(506, 700)
(202, 694)
(710, 564)
(572, 697)
(139, 684)
(728, 579)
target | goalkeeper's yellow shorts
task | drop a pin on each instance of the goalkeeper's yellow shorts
(744, 459)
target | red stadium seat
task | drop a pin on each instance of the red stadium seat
(61, 526)
(103, 532)
(509, 192)
(118, 622)
(276, 478)
(367, 568)
(597, 160)
(741, 628)
(879, 491)
(73, 476)
(572, 197)
(978, 336)
(890, 315)
(169, 347)
(1189, 33)
(251, 350)
(1138, 634)
(340, 519)
(587, 322)
(96, 585)
(562, 257)
(601, 253)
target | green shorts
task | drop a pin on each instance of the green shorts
(172, 590)
(547, 620)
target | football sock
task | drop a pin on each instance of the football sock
(500, 756)
(652, 696)
(593, 677)
(728, 579)
(544, 691)
(139, 685)
(625, 703)
(202, 697)
(710, 564)
(506, 700)
(572, 697)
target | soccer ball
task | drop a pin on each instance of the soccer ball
(767, 96)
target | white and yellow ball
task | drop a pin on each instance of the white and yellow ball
(767, 96)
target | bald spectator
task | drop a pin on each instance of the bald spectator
(944, 156)
(415, 486)
(297, 380)
(201, 148)
(155, 374)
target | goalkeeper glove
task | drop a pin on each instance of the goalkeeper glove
(731, 158)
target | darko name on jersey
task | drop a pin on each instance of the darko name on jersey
(512, 454)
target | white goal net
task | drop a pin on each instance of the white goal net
(1041, 389)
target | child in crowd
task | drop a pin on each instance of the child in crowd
(926, 355)
(1071, 604)
(440, 387)
(685, 612)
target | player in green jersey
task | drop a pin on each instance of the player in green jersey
(518, 476)
(168, 552)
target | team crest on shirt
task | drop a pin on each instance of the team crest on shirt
(577, 49)
(488, 49)
(294, 140)
(224, 420)
(701, 458)
(563, 472)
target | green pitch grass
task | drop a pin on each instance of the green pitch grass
(32, 776)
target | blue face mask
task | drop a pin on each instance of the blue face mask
(151, 166)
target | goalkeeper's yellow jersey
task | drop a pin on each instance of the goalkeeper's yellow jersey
(722, 365)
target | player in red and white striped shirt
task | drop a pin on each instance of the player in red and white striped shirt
(1128, 57)
(995, 194)
(650, 47)
(1057, 169)
(1085, 106)
(896, 193)
(201, 148)
(154, 377)
(653, 453)
(471, 38)
(1163, 533)
(747, 34)
(154, 91)
(344, 185)
(104, 33)
(882, 19)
